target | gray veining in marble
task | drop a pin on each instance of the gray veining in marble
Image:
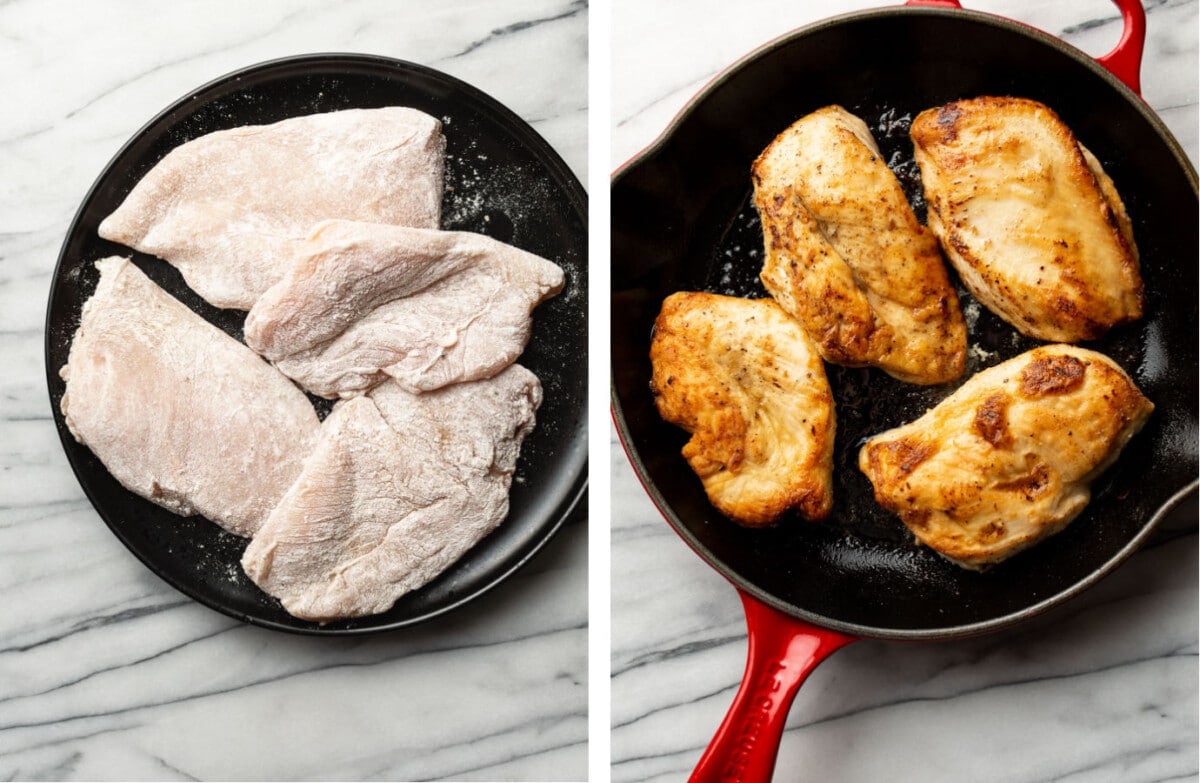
(1101, 690)
(105, 671)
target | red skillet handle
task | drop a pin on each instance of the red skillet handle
(1124, 61)
(782, 652)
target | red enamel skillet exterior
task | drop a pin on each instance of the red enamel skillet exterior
(661, 243)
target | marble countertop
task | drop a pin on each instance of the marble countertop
(1102, 689)
(105, 671)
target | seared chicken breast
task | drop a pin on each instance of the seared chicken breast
(1008, 458)
(745, 380)
(845, 255)
(1028, 217)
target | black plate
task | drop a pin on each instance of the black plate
(502, 179)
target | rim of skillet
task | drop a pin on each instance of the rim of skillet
(664, 507)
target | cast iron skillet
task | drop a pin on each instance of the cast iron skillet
(502, 179)
(683, 220)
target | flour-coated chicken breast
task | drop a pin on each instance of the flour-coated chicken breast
(228, 208)
(178, 411)
(364, 302)
(845, 255)
(1008, 458)
(1028, 217)
(745, 380)
(398, 487)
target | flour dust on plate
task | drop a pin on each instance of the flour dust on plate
(543, 211)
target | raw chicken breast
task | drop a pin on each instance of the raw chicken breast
(227, 207)
(177, 410)
(365, 301)
(845, 255)
(1008, 458)
(399, 488)
(1028, 217)
(744, 379)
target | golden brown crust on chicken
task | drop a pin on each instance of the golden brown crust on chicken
(1028, 217)
(1008, 458)
(846, 256)
(745, 380)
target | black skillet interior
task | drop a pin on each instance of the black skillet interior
(502, 179)
(682, 220)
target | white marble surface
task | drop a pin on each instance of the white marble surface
(1101, 690)
(105, 671)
